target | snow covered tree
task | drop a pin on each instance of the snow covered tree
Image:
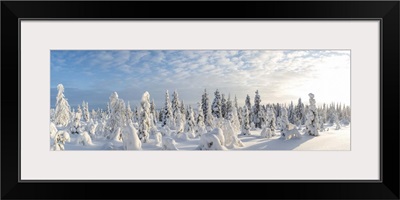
(76, 127)
(245, 121)
(337, 122)
(136, 115)
(63, 111)
(153, 112)
(182, 106)
(234, 119)
(346, 116)
(257, 110)
(129, 113)
(271, 121)
(200, 125)
(331, 114)
(168, 119)
(249, 108)
(190, 122)
(291, 113)
(216, 106)
(160, 115)
(206, 107)
(85, 109)
(230, 135)
(79, 112)
(94, 115)
(283, 119)
(214, 140)
(299, 113)
(179, 122)
(175, 107)
(108, 108)
(229, 107)
(312, 118)
(130, 137)
(144, 120)
(236, 104)
(240, 111)
(117, 116)
(277, 109)
(223, 107)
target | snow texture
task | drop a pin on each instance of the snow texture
(168, 143)
(130, 138)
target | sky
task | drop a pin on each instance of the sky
(280, 76)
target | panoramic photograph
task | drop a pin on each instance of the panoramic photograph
(194, 100)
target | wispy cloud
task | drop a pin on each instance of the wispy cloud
(280, 76)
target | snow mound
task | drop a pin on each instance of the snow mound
(59, 140)
(84, 139)
(266, 133)
(290, 132)
(158, 138)
(65, 137)
(165, 131)
(130, 138)
(109, 146)
(213, 140)
(182, 136)
(168, 143)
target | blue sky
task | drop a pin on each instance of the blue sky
(280, 76)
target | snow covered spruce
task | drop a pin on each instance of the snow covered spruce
(221, 123)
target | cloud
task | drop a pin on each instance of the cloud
(278, 75)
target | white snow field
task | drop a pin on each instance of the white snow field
(222, 125)
(331, 140)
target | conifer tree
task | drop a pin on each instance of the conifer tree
(257, 111)
(63, 111)
(216, 106)
(167, 114)
(312, 118)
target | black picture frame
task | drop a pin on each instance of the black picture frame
(386, 11)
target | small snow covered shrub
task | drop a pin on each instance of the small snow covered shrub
(290, 132)
(158, 138)
(53, 130)
(266, 133)
(59, 140)
(345, 122)
(213, 140)
(165, 131)
(220, 134)
(182, 136)
(130, 138)
(91, 127)
(76, 126)
(210, 141)
(101, 128)
(64, 136)
(153, 130)
(230, 136)
(253, 126)
(168, 143)
(84, 139)
(117, 135)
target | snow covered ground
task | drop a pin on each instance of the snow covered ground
(328, 140)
